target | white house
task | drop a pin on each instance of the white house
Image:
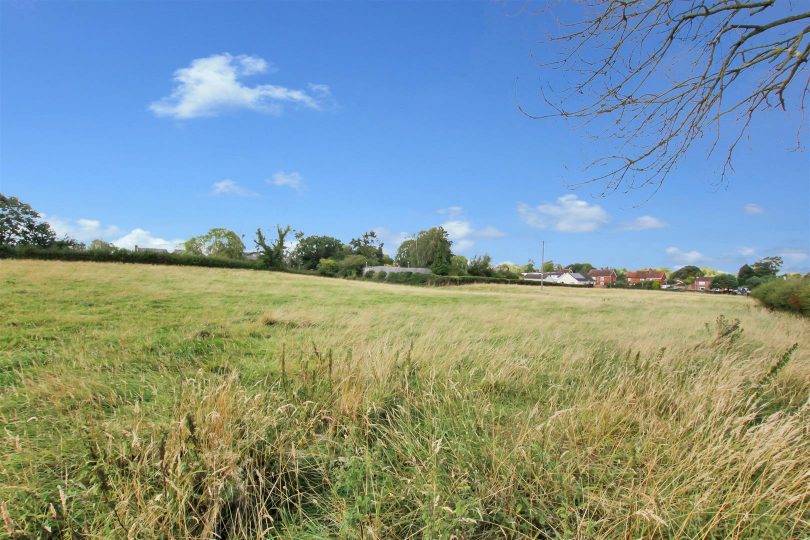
(562, 278)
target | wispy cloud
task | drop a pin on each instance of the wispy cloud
(686, 257)
(83, 230)
(292, 180)
(795, 259)
(746, 251)
(390, 239)
(567, 214)
(643, 223)
(212, 85)
(450, 211)
(143, 238)
(753, 209)
(463, 234)
(229, 187)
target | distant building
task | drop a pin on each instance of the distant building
(396, 269)
(252, 255)
(603, 277)
(641, 276)
(703, 283)
(150, 250)
(561, 278)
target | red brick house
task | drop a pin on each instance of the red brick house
(703, 283)
(640, 276)
(604, 277)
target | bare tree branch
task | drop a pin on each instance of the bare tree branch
(667, 72)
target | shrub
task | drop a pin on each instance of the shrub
(786, 295)
(380, 275)
(328, 267)
(369, 274)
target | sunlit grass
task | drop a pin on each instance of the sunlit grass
(154, 402)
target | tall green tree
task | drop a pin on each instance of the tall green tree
(724, 281)
(217, 242)
(272, 255)
(428, 248)
(767, 266)
(581, 268)
(481, 266)
(685, 273)
(370, 247)
(548, 266)
(744, 274)
(22, 225)
(311, 249)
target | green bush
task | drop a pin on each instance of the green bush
(785, 294)
(369, 274)
(328, 267)
(121, 256)
(381, 275)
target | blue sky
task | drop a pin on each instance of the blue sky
(148, 123)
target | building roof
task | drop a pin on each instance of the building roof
(580, 277)
(602, 272)
(647, 274)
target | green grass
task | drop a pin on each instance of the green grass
(155, 402)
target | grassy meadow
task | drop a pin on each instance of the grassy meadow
(175, 402)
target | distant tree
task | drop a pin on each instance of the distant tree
(328, 267)
(217, 242)
(480, 266)
(21, 225)
(458, 265)
(548, 266)
(724, 281)
(768, 266)
(67, 242)
(352, 265)
(744, 274)
(685, 273)
(100, 245)
(311, 249)
(370, 247)
(272, 255)
(581, 268)
(529, 266)
(428, 246)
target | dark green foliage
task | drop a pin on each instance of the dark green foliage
(369, 274)
(581, 268)
(121, 256)
(428, 247)
(369, 247)
(328, 267)
(744, 274)
(21, 225)
(480, 266)
(686, 272)
(218, 242)
(724, 281)
(768, 266)
(785, 294)
(311, 249)
(272, 256)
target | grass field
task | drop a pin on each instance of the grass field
(164, 402)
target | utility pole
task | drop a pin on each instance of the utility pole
(542, 262)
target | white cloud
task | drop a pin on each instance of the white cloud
(229, 187)
(753, 209)
(142, 238)
(390, 239)
(462, 234)
(794, 258)
(686, 257)
(83, 230)
(292, 180)
(568, 214)
(451, 211)
(644, 223)
(490, 232)
(211, 85)
(746, 251)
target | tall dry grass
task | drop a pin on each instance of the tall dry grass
(225, 407)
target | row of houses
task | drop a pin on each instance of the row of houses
(598, 277)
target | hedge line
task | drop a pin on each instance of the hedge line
(121, 256)
(785, 294)
(150, 257)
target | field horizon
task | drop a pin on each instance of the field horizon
(150, 402)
